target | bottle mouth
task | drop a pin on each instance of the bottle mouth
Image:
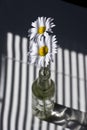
(44, 73)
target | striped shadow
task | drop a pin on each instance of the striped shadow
(2, 77)
(74, 80)
(81, 71)
(69, 72)
(66, 78)
(8, 83)
(85, 65)
(59, 79)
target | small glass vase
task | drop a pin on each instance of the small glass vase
(43, 90)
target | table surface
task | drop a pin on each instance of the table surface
(69, 72)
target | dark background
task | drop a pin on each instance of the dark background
(70, 18)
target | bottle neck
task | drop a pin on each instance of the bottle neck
(44, 78)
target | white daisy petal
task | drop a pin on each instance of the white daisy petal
(51, 19)
(47, 59)
(48, 20)
(53, 26)
(42, 45)
(41, 26)
(42, 22)
(32, 59)
(39, 61)
(45, 34)
(34, 24)
(41, 41)
(35, 47)
(47, 26)
(34, 53)
(31, 42)
(42, 61)
(39, 20)
(33, 30)
(32, 35)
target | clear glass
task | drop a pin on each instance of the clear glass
(43, 90)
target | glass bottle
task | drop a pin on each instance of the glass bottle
(43, 89)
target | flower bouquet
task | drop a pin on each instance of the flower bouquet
(43, 45)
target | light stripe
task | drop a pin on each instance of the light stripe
(2, 77)
(81, 66)
(44, 125)
(37, 71)
(9, 45)
(17, 47)
(74, 93)
(74, 64)
(36, 119)
(29, 113)
(24, 49)
(59, 127)
(23, 85)
(67, 91)
(60, 89)
(67, 77)
(86, 67)
(51, 126)
(16, 83)
(60, 77)
(86, 79)
(74, 80)
(8, 91)
(66, 62)
(8, 81)
(36, 123)
(60, 60)
(81, 82)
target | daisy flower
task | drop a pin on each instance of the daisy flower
(42, 53)
(42, 26)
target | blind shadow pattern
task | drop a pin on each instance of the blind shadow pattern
(69, 71)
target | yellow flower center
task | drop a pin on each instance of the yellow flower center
(41, 30)
(43, 51)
